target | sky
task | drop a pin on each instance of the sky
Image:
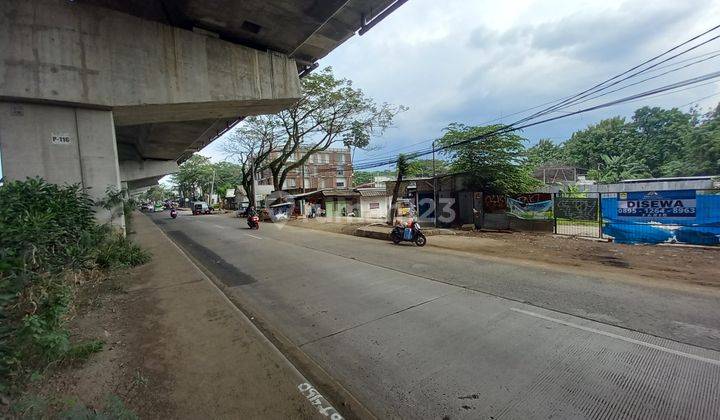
(478, 61)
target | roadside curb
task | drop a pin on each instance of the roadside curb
(385, 235)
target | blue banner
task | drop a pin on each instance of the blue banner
(682, 216)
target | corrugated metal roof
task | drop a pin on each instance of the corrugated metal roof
(339, 193)
(372, 192)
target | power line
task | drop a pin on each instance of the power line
(641, 81)
(595, 88)
(505, 129)
(575, 99)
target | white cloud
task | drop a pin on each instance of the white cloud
(473, 61)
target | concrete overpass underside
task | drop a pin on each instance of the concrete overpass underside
(105, 92)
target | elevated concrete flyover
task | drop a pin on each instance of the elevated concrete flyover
(100, 92)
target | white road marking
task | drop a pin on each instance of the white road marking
(219, 227)
(253, 236)
(620, 337)
(316, 399)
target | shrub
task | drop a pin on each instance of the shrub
(120, 252)
(48, 239)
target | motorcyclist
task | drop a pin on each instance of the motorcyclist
(251, 212)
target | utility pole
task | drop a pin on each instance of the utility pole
(212, 187)
(254, 181)
(435, 198)
(302, 202)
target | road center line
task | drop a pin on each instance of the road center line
(253, 236)
(620, 337)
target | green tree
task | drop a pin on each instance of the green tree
(545, 152)
(331, 111)
(617, 168)
(227, 175)
(193, 174)
(608, 137)
(495, 164)
(157, 193)
(250, 144)
(660, 137)
(702, 149)
(401, 168)
(363, 177)
(424, 167)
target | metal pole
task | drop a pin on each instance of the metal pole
(600, 218)
(212, 187)
(252, 172)
(302, 202)
(554, 197)
(434, 186)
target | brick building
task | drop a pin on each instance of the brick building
(331, 168)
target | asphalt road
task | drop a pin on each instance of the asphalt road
(426, 333)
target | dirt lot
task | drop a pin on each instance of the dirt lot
(674, 264)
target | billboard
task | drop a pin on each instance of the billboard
(657, 204)
(682, 216)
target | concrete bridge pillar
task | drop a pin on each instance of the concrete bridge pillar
(63, 145)
(95, 96)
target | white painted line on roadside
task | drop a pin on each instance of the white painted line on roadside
(253, 236)
(620, 337)
(323, 406)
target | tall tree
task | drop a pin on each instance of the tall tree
(402, 167)
(330, 112)
(195, 173)
(227, 175)
(702, 150)
(495, 164)
(424, 167)
(617, 168)
(610, 137)
(545, 152)
(660, 136)
(251, 144)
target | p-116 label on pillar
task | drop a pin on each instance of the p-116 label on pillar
(60, 138)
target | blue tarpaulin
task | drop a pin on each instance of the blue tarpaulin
(683, 216)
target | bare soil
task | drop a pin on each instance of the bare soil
(696, 266)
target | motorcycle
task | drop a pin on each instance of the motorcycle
(173, 213)
(253, 222)
(409, 232)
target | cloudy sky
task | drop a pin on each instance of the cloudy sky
(477, 61)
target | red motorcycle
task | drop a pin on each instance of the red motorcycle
(253, 222)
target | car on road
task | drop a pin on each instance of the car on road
(201, 207)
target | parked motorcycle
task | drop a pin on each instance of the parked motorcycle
(253, 222)
(173, 213)
(409, 232)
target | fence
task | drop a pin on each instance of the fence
(678, 216)
(579, 214)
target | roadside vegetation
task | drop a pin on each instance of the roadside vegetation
(51, 248)
(654, 142)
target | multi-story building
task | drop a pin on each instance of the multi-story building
(331, 168)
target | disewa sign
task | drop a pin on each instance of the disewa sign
(657, 204)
